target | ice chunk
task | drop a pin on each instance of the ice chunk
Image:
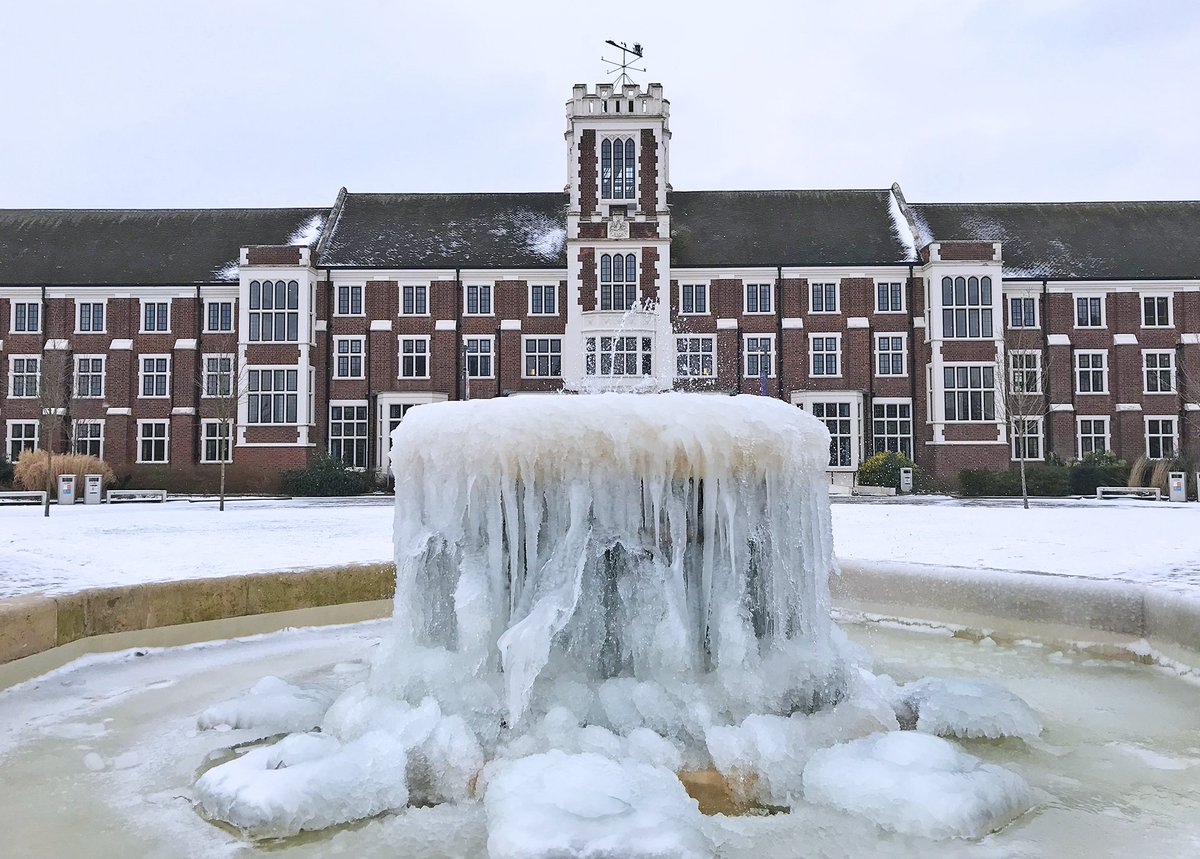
(956, 707)
(306, 781)
(272, 706)
(566, 806)
(916, 784)
(94, 762)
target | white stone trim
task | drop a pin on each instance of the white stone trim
(381, 325)
(321, 325)
(725, 324)
(792, 322)
(1058, 340)
(858, 322)
(1125, 340)
(120, 344)
(510, 324)
(183, 410)
(187, 342)
(445, 325)
(58, 345)
(1062, 407)
(118, 410)
(1129, 407)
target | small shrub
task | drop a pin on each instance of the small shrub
(325, 477)
(1139, 472)
(1044, 480)
(1098, 468)
(883, 469)
(30, 470)
(1041, 480)
(6, 472)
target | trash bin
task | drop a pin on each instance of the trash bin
(66, 489)
(1177, 486)
(92, 484)
(906, 481)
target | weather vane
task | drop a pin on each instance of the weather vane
(628, 57)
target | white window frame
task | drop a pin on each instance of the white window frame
(1089, 296)
(630, 197)
(855, 417)
(642, 352)
(543, 289)
(25, 374)
(361, 354)
(206, 374)
(959, 314)
(90, 302)
(903, 298)
(251, 393)
(217, 302)
(613, 284)
(711, 352)
(1033, 302)
(1077, 370)
(229, 438)
(256, 330)
(549, 355)
(1018, 439)
(903, 351)
(90, 422)
(1105, 420)
(103, 359)
(479, 294)
(400, 355)
(166, 441)
(984, 369)
(885, 420)
(13, 453)
(748, 353)
(142, 329)
(760, 286)
(365, 438)
(490, 354)
(1170, 299)
(1025, 369)
(837, 353)
(416, 288)
(698, 291)
(1170, 354)
(350, 288)
(1174, 419)
(142, 359)
(837, 297)
(12, 317)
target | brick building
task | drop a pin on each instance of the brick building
(264, 335)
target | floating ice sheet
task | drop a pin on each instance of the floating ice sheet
(916, 784)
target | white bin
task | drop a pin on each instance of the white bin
(1177, 486)
(66, 489)
(92, 485)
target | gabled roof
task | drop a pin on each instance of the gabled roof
(1076, 240)
(449, 231)
(773, 228)
(141, 246)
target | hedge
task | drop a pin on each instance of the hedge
(325, 477)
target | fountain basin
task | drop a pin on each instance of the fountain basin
(100, 756)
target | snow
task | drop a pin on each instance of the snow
(308, 232)
(584, 806)
(229, 271)
(82, 546)
(961, 707)
(916, 784)
(901, 228)
(272, 706)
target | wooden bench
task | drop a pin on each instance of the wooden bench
(1152, 492)
(36, 497)
(123, 495)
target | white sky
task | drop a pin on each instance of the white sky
(267, 102)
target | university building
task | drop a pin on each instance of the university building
(266, 335)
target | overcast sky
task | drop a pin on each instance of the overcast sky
(249, 103)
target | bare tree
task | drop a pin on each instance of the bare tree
(222, 386)
(54, 395)
(1187, 380)
(1021, 388)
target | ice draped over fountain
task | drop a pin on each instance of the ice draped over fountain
(652, 536)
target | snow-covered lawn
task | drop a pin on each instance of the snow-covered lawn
(80, 547)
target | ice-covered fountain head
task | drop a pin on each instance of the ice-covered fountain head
(616, 535)
(593, 595)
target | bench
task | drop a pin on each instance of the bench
(121, 495)
(1137, 491)
(36, 497)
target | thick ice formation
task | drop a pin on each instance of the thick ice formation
(959, 707)
(646, 536)
(272, 706)
(916, 784)
(586, 806)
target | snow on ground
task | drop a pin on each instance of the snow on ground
(81, 547)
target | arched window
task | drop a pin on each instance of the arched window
(618, 281)
(618, 168)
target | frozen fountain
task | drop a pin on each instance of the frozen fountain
(599, 601)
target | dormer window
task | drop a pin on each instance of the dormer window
(618, 165)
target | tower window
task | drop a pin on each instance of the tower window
(618, 281)
(618, 165)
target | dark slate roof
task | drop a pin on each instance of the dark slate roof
(449, 231)
(132, 246)
(1076, 240)
(771, 228)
